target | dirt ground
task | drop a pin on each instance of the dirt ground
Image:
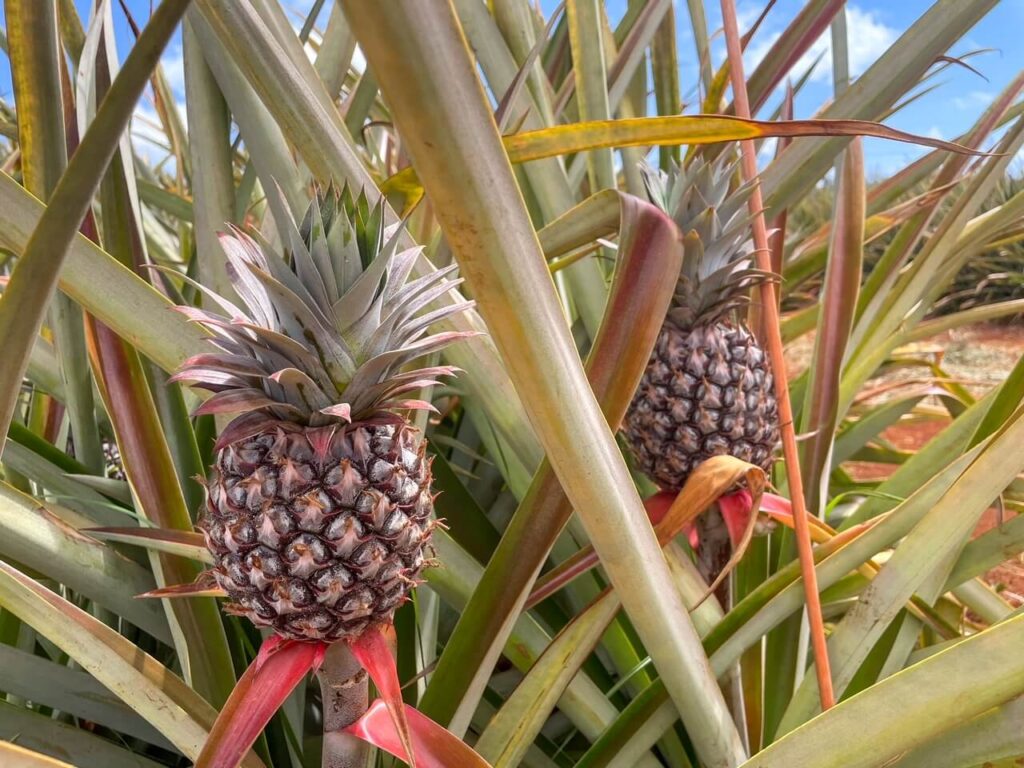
(978, 358)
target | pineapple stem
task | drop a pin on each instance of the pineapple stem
(345, 690)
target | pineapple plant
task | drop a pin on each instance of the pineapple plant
(255, 109)
(319, 505)
(708, 387)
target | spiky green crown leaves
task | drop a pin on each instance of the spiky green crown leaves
(328, 329)
(711, 212)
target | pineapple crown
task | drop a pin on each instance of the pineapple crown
(718, 253)
(329, 328)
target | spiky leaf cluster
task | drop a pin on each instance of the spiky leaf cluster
(711, 212)
(328, 328)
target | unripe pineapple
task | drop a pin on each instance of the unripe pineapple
(708, 387)
(319, 507)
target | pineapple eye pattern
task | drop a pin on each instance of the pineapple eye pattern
(319, 508)
(325, 558)
(708, 387)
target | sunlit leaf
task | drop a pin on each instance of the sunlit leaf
(35, 275)
(690, 129)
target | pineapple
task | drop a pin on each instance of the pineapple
(708, 387)
(113, 467)
(319, 505)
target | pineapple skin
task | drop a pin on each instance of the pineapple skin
(319, 508)
(320, 533)
(707, 391)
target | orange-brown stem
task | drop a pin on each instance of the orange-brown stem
(774, 342)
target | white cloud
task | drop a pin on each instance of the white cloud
(173, 63)
(973, 100)
(746, 15)
(766, 152)
(885, 166)
(148, 137)
(868, 38)
(358, 60)
(935, 133)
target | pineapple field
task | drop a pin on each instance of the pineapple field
(451, 383)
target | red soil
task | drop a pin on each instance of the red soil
(979, 358)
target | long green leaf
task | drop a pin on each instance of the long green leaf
(511, 731)
(433, 91)
(35, 56)
(209, 143)
(93, 278)
(988, 550)
(665, 73)
(54, 480)
(967, 317)
(185, 543)
(692, 130)
(838, 306)
(148, 464)
(52, 737)
(145, 685)
(590, 73)
(264, 139)
(37, 537)
(72, 691)
(871, 425)
(908, 709)
(44, 370)
(35, 275)
(36, 69)
(650, 256)
(701, 42)
(990, 737)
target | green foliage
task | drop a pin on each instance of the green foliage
(988, 277)
(92, 676)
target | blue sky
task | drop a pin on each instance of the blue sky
(873, 26)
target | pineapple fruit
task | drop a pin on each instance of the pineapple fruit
(708, 387)
(319, 505)
(113, 467)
